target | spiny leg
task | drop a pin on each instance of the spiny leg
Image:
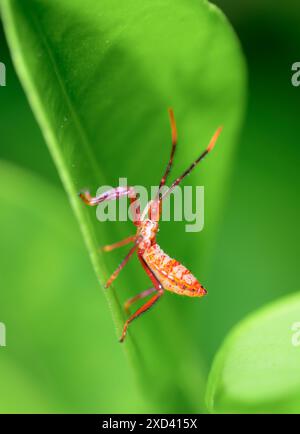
(110, 247)
(114, 194)
(137, 297)
(121, 266)
(158, 287)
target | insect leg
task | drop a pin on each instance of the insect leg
(139, 296)
(121, 266)
(111, 247)
(114, 194)
(149, 303)
(140, 311)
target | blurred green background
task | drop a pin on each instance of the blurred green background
(62, 354)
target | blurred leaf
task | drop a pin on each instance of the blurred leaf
(99, 77)
(23, 145)
(60, 354)
(257, 368)
(257, 256)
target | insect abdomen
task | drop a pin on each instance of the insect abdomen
(173, 276)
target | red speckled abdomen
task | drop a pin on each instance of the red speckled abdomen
(172, 275)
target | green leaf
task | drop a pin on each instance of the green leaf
(99, 77)
(257, 368)
(52, 311)
(15, 106)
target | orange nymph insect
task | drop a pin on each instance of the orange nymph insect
(164, 272)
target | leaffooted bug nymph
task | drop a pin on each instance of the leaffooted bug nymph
(164, 272)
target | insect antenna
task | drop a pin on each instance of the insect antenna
(155, 206)
(174, 144)
(194, 164)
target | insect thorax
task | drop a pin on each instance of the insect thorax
(147, 232)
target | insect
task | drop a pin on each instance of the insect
(164, 272)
